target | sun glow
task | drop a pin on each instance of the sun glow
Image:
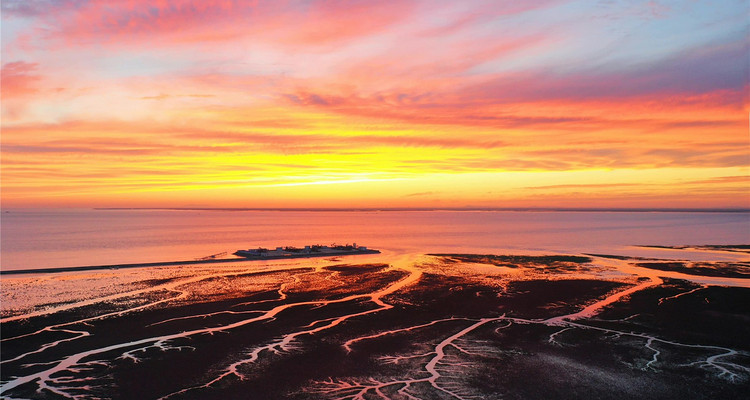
(540, 104)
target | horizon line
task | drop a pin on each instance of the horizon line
(392, 209)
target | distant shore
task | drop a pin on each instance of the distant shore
(402, 209)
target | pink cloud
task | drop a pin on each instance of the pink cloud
(19, 79)
(19, 84)
(465, 18)
(720, 68)
(150, 23)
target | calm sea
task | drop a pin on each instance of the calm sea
(60, 238)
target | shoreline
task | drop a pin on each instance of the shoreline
(186, 262)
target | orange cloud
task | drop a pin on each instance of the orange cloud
(414, 100)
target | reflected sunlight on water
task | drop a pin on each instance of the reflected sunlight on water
(55, 238)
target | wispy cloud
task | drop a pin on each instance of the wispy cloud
(192, 95)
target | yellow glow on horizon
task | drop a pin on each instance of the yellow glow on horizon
(406, 114)
(585, 188)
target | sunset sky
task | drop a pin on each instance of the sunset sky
(537, 103)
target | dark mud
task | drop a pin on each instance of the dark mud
(373, 331)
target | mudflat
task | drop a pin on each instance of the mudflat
(446, 326)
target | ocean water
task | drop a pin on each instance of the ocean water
(62, 238)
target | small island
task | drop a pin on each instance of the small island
(306, 252)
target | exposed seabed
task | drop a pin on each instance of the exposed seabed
(408, 327)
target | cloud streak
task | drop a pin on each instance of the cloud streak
(226, 94)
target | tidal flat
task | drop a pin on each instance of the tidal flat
(442, 326)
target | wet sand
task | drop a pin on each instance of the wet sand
(715, 269)
(427, 327)
(285, 256)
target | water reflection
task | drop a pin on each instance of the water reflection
(38, 239)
